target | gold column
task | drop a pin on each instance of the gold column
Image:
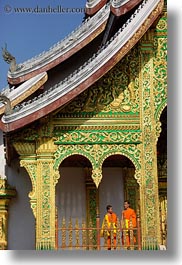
(46, 180)
(92, 204)
(149, 200)
(6, 193)
(38, 160)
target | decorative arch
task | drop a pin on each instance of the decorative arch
(96, 154)
(105, 156)
(126, 154)
(157, 115)
(64, 152)
(160, 109)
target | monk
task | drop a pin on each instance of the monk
(110, 220)
(128, 215)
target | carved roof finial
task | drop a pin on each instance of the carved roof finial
(9, 58)
(6, 101)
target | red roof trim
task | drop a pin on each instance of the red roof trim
(58, 60)
(123, 9)
(92, 10)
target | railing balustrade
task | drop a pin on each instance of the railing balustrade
(82, 235)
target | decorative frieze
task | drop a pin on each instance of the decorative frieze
(99, 137)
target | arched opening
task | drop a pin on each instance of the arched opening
(162, 175)
(118, 184)
(81, 206)
(70, 190)
(74, 191)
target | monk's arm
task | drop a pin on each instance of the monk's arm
(134, 218)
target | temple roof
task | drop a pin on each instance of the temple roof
(89, 72)
(26, 89)
(62, 50)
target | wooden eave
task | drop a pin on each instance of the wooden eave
(22, 92)
(123, 9)
(91, 10)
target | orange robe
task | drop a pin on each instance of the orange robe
(127, 215)
(110, 219)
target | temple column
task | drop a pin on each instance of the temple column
(39, 163)
(6, 193)
(46, 180)
(149, 179)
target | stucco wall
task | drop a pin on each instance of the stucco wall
(21, 226)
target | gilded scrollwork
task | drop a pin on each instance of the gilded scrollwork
(2, 185)
(45, 215)
(153, 94)
(64, 151)
(96, 154)
(3, 231)
(100, 137)
(161, 26)
(46, 203)
(2, 228)
(6, 193)
(31, 167)
(160, 66)
(97, 176)
(115, 92)
(39, 165)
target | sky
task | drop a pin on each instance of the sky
(27, 34)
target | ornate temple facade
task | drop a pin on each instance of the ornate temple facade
(83, 125)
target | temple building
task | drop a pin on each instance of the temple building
(84, 125)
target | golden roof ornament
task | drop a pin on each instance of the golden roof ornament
(9, 58)
(6, 101)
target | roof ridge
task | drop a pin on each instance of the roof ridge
(55, 49)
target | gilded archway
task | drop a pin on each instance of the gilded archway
(96, 154)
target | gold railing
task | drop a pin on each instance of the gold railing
(163, 219)
(73, 235)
